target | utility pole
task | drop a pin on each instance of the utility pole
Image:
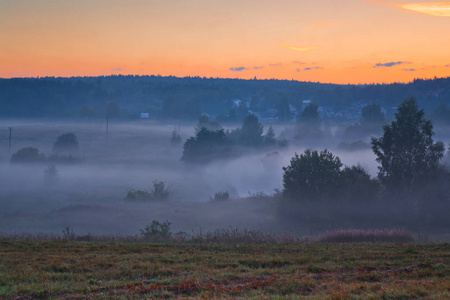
(10, 135)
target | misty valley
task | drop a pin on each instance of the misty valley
(117, 178)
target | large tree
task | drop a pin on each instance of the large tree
(406, 151)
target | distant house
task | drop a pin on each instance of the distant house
(305, 103)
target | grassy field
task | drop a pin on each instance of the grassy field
(31, 269)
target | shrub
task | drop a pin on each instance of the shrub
(137, 195)
(157, 230)
(68, 234)
(158, 191)
(258, 196)
(221, 196)
(27, 155)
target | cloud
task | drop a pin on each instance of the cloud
(409, 70)
(309, 69)
(447, 66)
(276, 65)
(435, 8)
(238, 69)
(257, 68)
(118, 69)
(296, 62)
(391, 64)
(301, 49)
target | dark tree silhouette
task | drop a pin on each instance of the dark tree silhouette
(406, 151)
(310, 115)
(372, 115)
(27, 155)
(357, 187)
(66, 143)
(312, 175)
(251, 132)
(269, 138)
(205, 146)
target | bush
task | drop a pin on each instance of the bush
(137, 195)
(221, 196)
(159, 191)
(258, 196)
(157, 230)
(27, 155)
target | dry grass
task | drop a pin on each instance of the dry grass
(134, 269)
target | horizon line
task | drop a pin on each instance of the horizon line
(223, 78)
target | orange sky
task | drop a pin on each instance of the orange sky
(345, 41)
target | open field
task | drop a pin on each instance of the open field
(73, 270)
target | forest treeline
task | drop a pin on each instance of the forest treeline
(189, 97)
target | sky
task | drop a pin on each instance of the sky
(329, 41)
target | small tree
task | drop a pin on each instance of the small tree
(159, 190)
(312, 175)
(269, 138)
(66, 143)
(27, 155)
(251, 132)
(406, 151)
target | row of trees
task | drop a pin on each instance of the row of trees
(212, 141)
(409, 173)
(65, 150)
(187, 98)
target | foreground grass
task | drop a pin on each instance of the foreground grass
(31, 269)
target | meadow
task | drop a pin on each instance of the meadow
(61, 269)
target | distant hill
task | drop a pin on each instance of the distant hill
(188, 97)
